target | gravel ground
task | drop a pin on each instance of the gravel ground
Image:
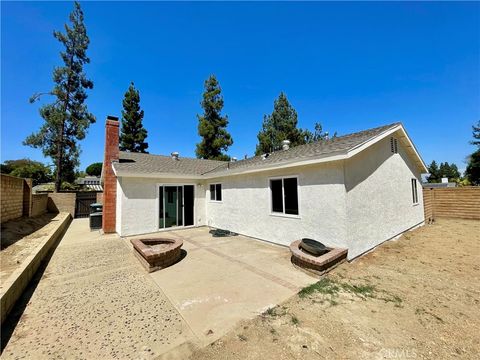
(19, 238)
(416, 297)
(95, 301)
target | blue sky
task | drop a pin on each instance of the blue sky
(350, 66)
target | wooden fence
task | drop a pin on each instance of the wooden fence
(459, 202)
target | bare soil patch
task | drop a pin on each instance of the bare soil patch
(416, 297)
(19, 238)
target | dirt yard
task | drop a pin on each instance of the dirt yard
(19, 238)
(417, 297)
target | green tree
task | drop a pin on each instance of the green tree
(94, 169)
(133, 134)
(212, 126)
(444, 170)
(26, 168)
(318, 134)
(67, 118)
(453, 172)
(280, 125)
(476, 134)
(473, 168)
(434, 172)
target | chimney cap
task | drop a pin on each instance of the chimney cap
(111, 117)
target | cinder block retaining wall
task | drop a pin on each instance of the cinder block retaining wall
(459, 202)
(62, 202)
(39, 204)
(15, 197)
(14, 286)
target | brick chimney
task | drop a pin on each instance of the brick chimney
(109, 178)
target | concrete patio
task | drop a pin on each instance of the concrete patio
(96, 301)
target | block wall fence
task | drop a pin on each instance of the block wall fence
(459, 202)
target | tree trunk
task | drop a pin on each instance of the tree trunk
(58, 175)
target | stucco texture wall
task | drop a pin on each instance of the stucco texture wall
(139, 204)
(246, 206)
(379, 196)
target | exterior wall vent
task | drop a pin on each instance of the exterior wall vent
(394, 145)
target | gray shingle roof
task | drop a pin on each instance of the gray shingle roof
(149, 164)
(157, 164)
(341, 144)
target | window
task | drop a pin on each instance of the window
(414, 191)
(394, 145)
(284, 193)
(216, 192)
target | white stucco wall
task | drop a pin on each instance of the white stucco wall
(357, 203)
(118, 207)
(138, 198)
(379, 196)
(245, 207)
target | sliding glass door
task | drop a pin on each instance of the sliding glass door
(176, 204)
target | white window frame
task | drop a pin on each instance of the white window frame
(210, 192)
(282, 214)
(157, 207)
(414, 190)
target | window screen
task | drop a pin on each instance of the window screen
(414, 191)
(277, 197)
(216, 192)
(284, 195)
(291, 196)
(212, 192)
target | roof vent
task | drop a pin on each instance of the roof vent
(175, 155)
(233, 159)
(264, 156)
(286, 144)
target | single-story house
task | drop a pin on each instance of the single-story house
(354, 191)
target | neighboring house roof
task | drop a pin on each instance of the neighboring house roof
(90, 182)
(342, 147)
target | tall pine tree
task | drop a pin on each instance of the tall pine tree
(212, 126)
(476, 134)
(433, 170)
(67, 118)
(133, 134)
(280, 125)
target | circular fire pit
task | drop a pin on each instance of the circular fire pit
(157, 253)
(313, 247)
(312, 262)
